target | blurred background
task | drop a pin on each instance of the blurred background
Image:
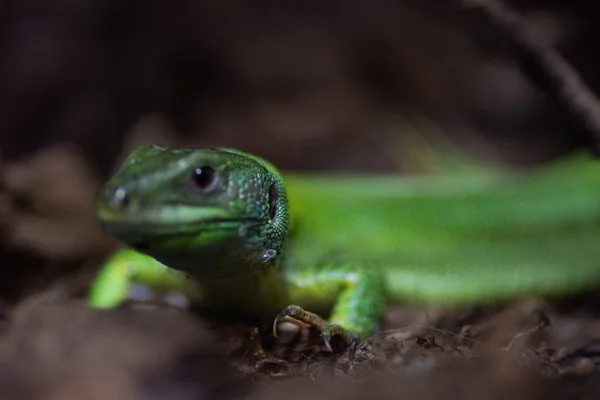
(353, 86)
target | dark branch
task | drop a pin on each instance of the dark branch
(551, 71)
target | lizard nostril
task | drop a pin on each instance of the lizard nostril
(119, 198)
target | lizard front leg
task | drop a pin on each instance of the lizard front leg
(356, 295)
(125, 267)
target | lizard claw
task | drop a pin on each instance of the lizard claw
(291, 313)
(298, 316)
(330, 330)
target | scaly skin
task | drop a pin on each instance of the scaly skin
(223, 237)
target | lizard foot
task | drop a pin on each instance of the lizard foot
(299, 317)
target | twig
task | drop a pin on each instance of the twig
(551, 71)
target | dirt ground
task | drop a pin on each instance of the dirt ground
(312, 86)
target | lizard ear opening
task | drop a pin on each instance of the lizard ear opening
(273, 201)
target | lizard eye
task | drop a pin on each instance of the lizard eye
(273, 197)
(204, 177)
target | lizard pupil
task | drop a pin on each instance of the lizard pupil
(204, 177)
(273, 197)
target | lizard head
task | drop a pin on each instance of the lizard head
(223, 206)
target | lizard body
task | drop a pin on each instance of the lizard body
(228, 230)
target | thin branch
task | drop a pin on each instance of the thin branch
(552, 72)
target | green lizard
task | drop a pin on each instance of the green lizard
(215, 224)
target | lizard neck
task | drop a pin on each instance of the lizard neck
(231, 285)
(256, 294)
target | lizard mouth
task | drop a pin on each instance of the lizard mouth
(170, 222)
(163, 214)
(145, 237)
(151, 229)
